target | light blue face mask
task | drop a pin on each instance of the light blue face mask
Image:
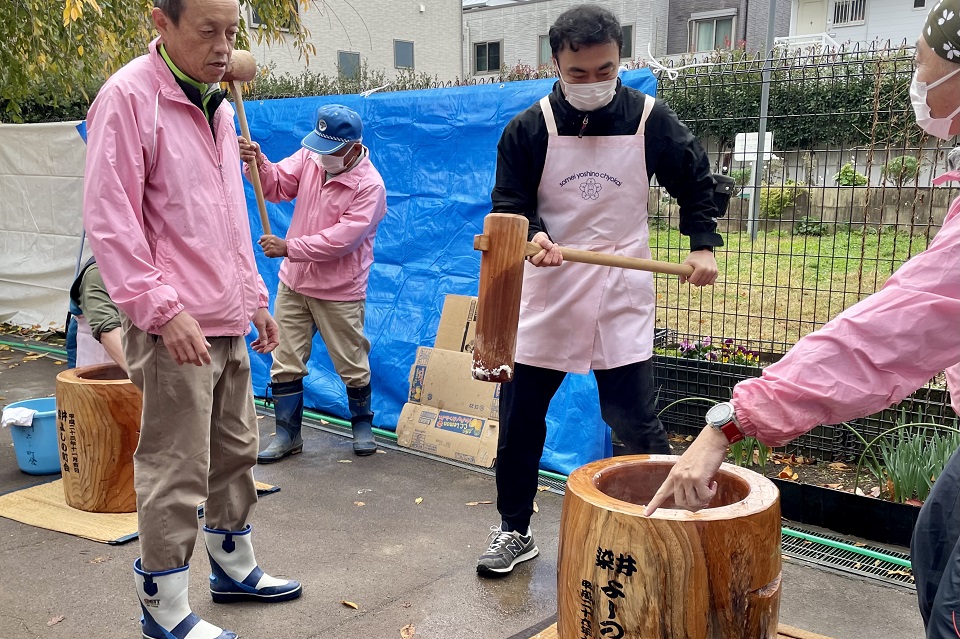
(939, 127)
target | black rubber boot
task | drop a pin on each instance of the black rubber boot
(288, 409)
(361, 417)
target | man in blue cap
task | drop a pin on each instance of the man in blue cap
(323, 280)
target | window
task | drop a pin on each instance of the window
(402, 54)
(711, 33)
(257, 23)
(546, 53)
(348, 64)
(850, 12)
(919, 4)
(486, 57)
(626, 51)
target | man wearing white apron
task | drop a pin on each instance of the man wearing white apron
(578, 165)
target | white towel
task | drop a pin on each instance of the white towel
(17, 416)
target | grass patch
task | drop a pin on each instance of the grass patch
(775, 290)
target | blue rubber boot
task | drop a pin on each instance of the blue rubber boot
(361, 417)
(166, 610)
(288, 410)
(235, 575)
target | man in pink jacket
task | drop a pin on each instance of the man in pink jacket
(872, 355)
(323, 281)
(166, 216)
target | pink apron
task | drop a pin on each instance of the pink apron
(89, 350)
(592, 196)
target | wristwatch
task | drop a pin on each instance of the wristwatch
(722, 417)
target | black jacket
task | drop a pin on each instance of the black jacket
(673, 154)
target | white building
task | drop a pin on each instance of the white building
(387, 35)
(851, 22)
(504, 33)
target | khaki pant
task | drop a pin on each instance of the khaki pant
(341, 328)
(198, 443)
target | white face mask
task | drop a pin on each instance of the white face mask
(589, 97)
(939, 127)
(335, 163)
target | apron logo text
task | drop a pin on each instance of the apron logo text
(590, 174)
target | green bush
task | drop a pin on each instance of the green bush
(901, 170)
(849, 176)
(775, 199)
(809, 226)
(740, 177)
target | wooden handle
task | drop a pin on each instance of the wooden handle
(620, 261)
(254, 169)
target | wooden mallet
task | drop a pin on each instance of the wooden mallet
(504, 247)
(243, 68)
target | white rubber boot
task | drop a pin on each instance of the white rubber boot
(235, 573)
(166, 609)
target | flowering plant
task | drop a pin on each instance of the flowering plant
(726, 352)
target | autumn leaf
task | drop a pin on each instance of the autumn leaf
(55, 620)
(407, 631)
(902, 573)
(838, 466)
(688, 438)
(350, 604)
(536, 508)
(787, 473)
(418, 500)
(359, 503)
(542, 488)
(914, 502)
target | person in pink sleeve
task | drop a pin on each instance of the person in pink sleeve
(165, 212)
(872, 355)
(341, 199)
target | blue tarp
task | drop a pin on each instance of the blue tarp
(436, 150)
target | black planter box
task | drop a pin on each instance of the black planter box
(874, 519)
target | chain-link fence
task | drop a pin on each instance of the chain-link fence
(844, 197)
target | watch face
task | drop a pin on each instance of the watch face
(720, 413)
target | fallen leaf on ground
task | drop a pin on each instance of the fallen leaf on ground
(344, 461)
(381, 452)
(259, 416)
(418, 500)
(536, 508)
(838, 466)
(55, 620)
(860, 492)
(858, 565)
(914, 502)
(58, 362)
(350, 604)
(542, 488)
(832, 485)
(677, 438)
(408, 631)
(787, 473)
(860, 544)
(688, 438)
(359, 503)
(903, 573)
(477, 503)
(876, 562)
(875, 491)
(98, 560)
(406, 604)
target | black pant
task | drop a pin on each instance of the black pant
(935, 555)
(627, 405)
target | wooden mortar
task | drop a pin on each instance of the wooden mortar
(714, 574)
(98, 425)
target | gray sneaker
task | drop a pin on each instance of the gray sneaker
(506, 550)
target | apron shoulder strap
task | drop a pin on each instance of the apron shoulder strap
(548, 115)
(647, 107)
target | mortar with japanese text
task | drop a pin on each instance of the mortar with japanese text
(98, 427)
(714, 574)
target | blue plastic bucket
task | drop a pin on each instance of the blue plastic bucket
(36, 446)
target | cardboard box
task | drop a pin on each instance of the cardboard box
(442, 379)
(465, 438)
(458, 324)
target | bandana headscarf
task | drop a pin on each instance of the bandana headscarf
(942, 30)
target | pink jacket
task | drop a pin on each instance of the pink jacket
(870, 356)
(330, 239)
(164, 205)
